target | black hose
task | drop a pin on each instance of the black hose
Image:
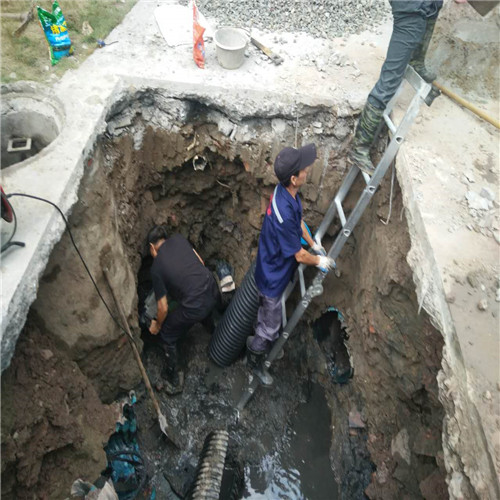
(38, 198)
(237, 323)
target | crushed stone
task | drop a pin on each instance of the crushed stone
(320, 18)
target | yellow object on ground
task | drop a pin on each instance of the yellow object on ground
(467, 104)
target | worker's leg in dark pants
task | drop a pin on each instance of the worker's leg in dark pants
(407, 33)
(420, 52)
(174, 327)
(212, 304)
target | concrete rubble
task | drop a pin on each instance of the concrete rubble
(449, 188)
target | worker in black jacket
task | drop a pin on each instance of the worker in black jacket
(180, 271)
(412, 32)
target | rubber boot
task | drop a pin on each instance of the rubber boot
(174, 380)
(418, 57)
(255, 361)
(363, 138)
(278, 357)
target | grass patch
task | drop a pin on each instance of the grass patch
(27, 57)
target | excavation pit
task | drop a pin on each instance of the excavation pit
(208, 175)
(55, 415)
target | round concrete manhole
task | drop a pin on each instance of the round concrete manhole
(31, 119)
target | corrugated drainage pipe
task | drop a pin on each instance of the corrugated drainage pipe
(237, 323)
(218, 477)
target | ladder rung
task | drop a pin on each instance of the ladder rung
(340, 211)
(390, 123)
(366, 177)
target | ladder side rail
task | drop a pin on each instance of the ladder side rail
(385, 162)
(283, 310)
(300, 270)
(247, 394)
(315, 289)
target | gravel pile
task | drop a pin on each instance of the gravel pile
(320, 18)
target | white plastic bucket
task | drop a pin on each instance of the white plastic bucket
(230, 46)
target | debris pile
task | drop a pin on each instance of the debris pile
(483, 208)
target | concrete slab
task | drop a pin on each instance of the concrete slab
(445, 144)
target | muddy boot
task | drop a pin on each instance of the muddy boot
(418, 57)
(172, 378)
(278, 357)
(363, 138)
(255, 361)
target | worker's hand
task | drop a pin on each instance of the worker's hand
(317, 249)
(326, 263)
(154, 328)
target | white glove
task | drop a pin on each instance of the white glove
(318, 249)
(326, 263)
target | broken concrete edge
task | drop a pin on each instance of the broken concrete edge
(20, 287)
(466, 448)
(237, 104)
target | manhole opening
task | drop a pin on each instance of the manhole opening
(28, 124)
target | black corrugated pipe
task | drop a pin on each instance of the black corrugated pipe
(237, 323)
(218, 477)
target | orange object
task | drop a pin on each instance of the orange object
(198, 44)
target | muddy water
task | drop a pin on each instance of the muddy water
(300, 467)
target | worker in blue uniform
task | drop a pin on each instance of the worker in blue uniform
(280, 251)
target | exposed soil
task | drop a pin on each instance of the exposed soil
(53, 423)
(142, 175)
(465, 50)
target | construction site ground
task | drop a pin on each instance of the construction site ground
(448, 154)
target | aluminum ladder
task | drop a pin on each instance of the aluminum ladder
(424, 92)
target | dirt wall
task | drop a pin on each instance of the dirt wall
(53, 422)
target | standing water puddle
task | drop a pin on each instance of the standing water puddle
(300, 468)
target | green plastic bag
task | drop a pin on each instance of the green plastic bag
(56, 32)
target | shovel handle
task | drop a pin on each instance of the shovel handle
(467, 104)
(136, 352)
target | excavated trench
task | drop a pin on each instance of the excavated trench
(208, 175)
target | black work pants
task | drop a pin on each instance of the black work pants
(407, 32)
(178, 322)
